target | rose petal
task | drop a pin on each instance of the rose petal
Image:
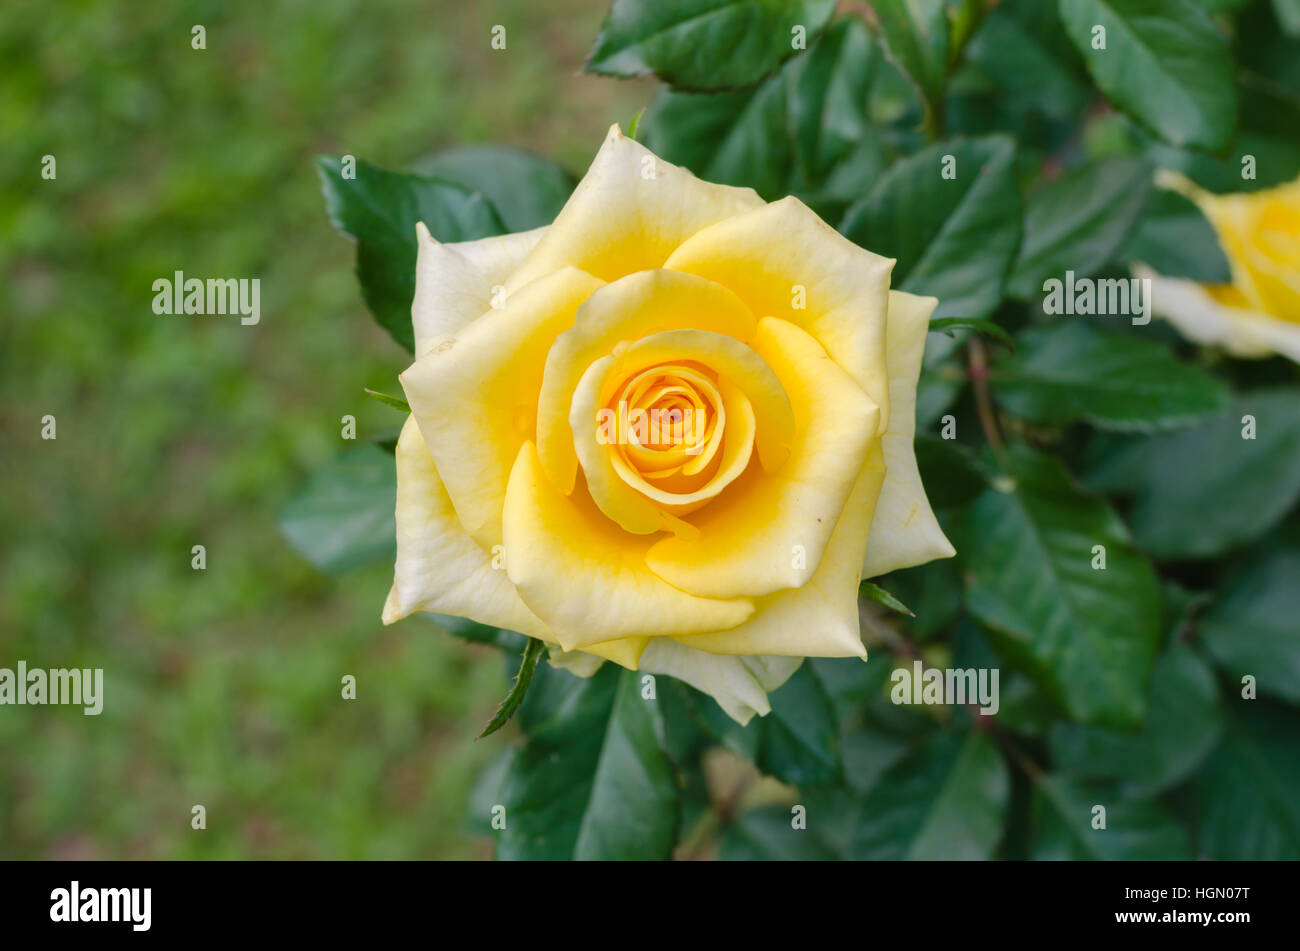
(454, 282)
(768, 531)
(475, 394)
(628, 213)
(904, 531)
(584, 576)
(768, 255)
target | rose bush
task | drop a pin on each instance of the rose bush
(723, 555)
(1258, 313)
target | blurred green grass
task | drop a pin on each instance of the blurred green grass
(223, 686)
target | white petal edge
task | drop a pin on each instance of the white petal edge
(454, 282)
(904, 531)
(740, 685)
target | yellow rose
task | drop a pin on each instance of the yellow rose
(1258, 314)
(535, 493)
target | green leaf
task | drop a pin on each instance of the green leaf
(947, 325)
(1204, 490)
(766, 834)
(1183, 723)
(1252, 628)
(515, 696)
(1270, 113)
(789, 130)
(799, 739)
(953, 238)
(1246, 803)
(935, 590)
(797, 742)
(396, 402)
(1288, 15)
(1112, 380)
(1165, 62)
(477, 633)
(1078, 222)
(526, 190)
(828, 93)
(915, 36)
(380, 210)
(1136, 829)
(343, 517)
(1023, 50)
(1177, 240)
(591, 781)
(947, 800)
(733, 138)
(881, 596)
(704, 45)
(1087, 635)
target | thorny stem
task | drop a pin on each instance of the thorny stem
(979, 377)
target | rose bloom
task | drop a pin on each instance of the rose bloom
(721, 552)
(1258, 314)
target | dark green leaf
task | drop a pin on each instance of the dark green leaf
(1088, 635)
(1288, 15)
(1111, 380)
(1246, 803)
(591, 781)
(1062, 825)
(533, 651)
(380, 210)
(1023, 50)
(766, 834)
(1078, 222)
(1177, 240)
(1253, 628)
(704, 44)
(343, 517)
(477, 633)
(953, 238)
(800, 738)
(1165, 62)
(797, 742)
(947, 800)
(828, 90)
(1183, 723)
(915, 35)
(947, 325)
(1206, 489)
(526, 190)
(396, 402)
(881, 596)
(733, 138)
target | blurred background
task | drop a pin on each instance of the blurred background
(223, 685)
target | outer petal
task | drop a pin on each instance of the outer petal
(629, 212)
(768, 255)
(453, 282)
(904, 531)
(821, 618)
(439, 567)
(585, 577)
(475, 394)
(1201, 318)
(740, 685)
(768, 531)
